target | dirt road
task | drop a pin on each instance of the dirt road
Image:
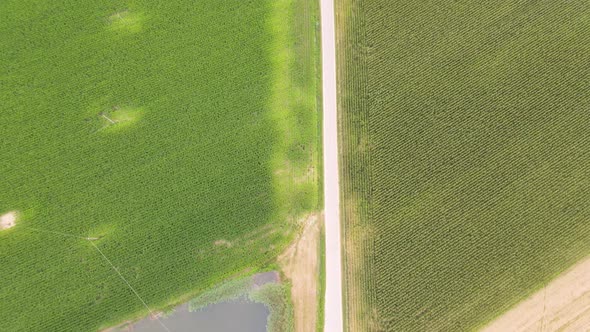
(333, 304)
(300, 263)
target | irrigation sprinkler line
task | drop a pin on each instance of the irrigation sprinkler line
(130, 287)
(90, 239)
(106, 117)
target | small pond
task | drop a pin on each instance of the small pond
(229, 315)
(234, 316)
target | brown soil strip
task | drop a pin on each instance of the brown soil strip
(300, 264)
(224, 243)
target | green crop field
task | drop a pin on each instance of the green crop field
(465, 156)
(178, 138)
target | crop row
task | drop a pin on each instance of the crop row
(463, 158)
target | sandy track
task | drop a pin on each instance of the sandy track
(333, 304)
(300, 263)
(563, 305)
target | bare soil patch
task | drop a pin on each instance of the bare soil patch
(223, 243)
(8, 220)
(126, 20)
(119, 15)
(563, 305)
(300, 264)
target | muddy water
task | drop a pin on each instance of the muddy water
(234, 316)
(238, 315)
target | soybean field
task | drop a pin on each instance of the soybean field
(465, 156)
(148, 151)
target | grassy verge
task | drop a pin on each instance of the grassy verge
(322, 248)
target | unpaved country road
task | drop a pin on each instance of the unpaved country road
(300, 264)
(333, 303)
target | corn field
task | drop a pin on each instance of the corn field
(465, 154)
(151, 151)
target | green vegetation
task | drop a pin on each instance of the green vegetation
(465, 156)
(229, 290)
(181, 137)
(275, 296)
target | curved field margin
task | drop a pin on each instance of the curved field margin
(177, 138)
(562, 305)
